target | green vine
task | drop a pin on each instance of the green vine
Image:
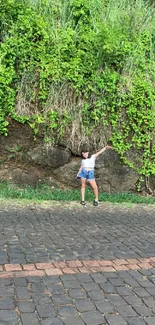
(85, 62)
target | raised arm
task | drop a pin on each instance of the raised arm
(101, 151)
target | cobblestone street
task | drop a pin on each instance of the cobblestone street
(74, 265)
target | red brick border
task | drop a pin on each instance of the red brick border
(74, 267)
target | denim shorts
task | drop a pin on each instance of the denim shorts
(86, 174)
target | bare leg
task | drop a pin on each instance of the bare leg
(95, 188)
(83, 186)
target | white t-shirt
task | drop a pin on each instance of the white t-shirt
(89, 162)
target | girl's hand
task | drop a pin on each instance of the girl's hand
(108, 147)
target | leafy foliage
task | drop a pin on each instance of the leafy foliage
(89, 61)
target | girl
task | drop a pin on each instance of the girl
(86, 173)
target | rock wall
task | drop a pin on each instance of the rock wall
(27, 162)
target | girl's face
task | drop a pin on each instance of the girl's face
(85, 154)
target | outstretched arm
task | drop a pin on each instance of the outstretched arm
(101, 151)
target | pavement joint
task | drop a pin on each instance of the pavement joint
(73, 266)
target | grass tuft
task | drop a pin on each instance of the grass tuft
(45, 193)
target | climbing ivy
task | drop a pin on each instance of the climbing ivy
(90, 61)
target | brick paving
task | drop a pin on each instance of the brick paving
(76, 265)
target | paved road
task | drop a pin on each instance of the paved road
(76, 265)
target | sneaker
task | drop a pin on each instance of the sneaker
(95, 203)
(83, 202)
